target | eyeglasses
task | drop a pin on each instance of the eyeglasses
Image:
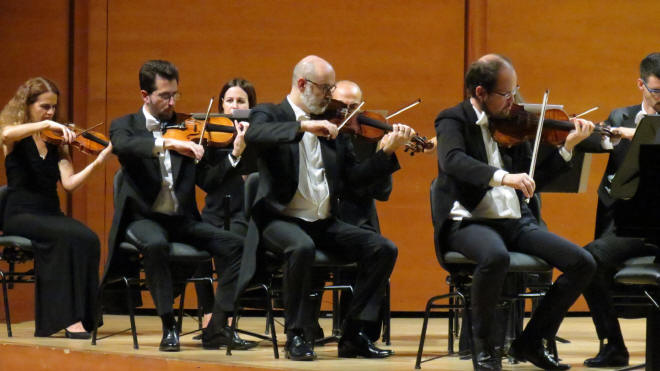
(327, 89)
(167, 96)
(652, 91)
(509, 94)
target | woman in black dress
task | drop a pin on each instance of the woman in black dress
(67, 252)
(221, 172)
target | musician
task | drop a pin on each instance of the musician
(157, 205)
(356, 206)
(303, 166)
(220, 173)
(67, 251)
(484, 216)
(608, 250)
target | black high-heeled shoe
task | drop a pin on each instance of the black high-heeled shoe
(82, 335)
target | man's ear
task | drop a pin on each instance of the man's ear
(301, 83)
(145, 96)
(480, 92)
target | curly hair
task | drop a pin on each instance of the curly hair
(17, 110)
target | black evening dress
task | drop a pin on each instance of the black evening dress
(67, 252)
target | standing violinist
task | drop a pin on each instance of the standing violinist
(220, 174)
(608, 250)
(67, 252)
(304, 165)
(483, 215)
(157, 206)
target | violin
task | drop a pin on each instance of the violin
(521, 126)
(367, 124)
(87, 141)
(219, 132)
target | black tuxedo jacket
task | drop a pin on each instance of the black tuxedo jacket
(133, 144)
(622, 117)
(463, 170)
(274, 135)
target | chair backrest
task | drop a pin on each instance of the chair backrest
(3, 202)
(251, 187)
(116, 184)
(437, 229)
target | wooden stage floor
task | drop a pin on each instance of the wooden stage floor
(25, 352)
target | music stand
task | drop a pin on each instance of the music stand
(626, 180)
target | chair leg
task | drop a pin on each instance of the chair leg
(131, 311)
(387, 318)
(5, 294)
(427, 314)
(271, 321)
(98, 312)
(182, 300)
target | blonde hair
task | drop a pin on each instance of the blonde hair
(16, 112)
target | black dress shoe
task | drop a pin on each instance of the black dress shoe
(225, 337)
(297, 349)
(360, 346)
(170, 341)
(536, 353)
(610, 356)
(486, 358)
(84, 335)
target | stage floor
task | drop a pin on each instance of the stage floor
(23, 351)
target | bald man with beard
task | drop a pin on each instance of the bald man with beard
(304, 165)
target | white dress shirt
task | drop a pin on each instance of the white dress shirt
(499, 202)
(166, 202)
(312, 199)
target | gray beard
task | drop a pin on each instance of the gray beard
(314, 107)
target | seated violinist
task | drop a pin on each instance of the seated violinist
(608, 249)
(220, 174)
(157, 206)
(68, 251)
(304, 165)
(484, 215)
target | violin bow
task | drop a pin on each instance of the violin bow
(88, 129)
(537, 141)
(411, 105)
(206, 120)
(356, 110)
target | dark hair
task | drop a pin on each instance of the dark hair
(484, 72)
(243, 84)
(650, 66)
(153, 68)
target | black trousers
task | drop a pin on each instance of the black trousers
(296, 241)
(154, 236)
(488, 242)
(610, 252)
(204, 289)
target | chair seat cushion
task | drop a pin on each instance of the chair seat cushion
(323, 259)
(16, 241)
(639, 260)
(179, 252)
(518, 262)
(639, 274)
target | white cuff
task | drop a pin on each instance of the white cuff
(606, 143)
(158, 146)
(496, 181)
(234, 160)
(565, 154)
